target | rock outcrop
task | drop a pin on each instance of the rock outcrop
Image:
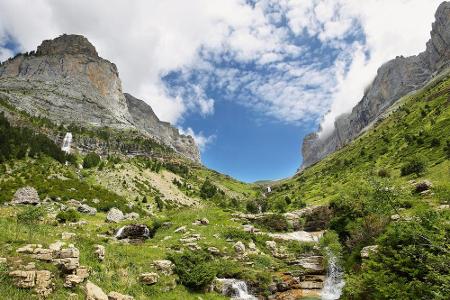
(394, 79)
(26, 195)
(67, 82)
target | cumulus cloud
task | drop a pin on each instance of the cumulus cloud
(292, 60)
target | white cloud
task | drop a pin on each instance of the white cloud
(200, 139)
(289, 81)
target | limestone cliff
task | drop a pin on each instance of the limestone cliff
(67, 82)
(394, 79)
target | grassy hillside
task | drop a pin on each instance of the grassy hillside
(369, 185)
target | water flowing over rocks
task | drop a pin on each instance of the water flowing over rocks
(233, 288)
(394, 79)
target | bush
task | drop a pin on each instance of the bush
(415, 165)
(208, 189)
(384, 173)
(69, 215)
(412, 262)
(280, 205)
(91, 160)
(195, 270)
(274, 222)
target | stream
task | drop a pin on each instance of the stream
(334, 280)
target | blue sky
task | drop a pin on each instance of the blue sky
(248, 79)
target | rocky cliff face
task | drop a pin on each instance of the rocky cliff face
(144, 118)
(394, 80)
(67, 82)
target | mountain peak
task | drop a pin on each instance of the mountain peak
(67, 44)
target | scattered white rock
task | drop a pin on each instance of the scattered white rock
(149, 278)
(100, 252)
(93, 292)
(181, 229)
(239, 247)
(164, 266)
(118, 296)
(67, 235)
(115, 215)
(368, 250)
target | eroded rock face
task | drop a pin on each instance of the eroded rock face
(67, 82)
(144, 117)
(394, 80)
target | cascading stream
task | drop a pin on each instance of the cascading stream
(334, 281)
(235, 289)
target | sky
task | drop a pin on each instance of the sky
(247, 79)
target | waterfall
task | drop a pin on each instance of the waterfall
(67, 142)
(235, 289)
(119, 232)
(334, 281)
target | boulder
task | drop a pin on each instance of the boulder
(149, 278)
(239, 247)
(94, 292)
(422, 186)
(164, 266)
(77, 277)
(86, 209)
(368, 250)
(26, 195)
(40, 281)
(114, 215)
(68, 259)
(118, 296)
(134, 231)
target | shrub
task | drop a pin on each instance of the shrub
(447, 150)
(195, 270)
(435, 142)
(91, 160)
(69, 215)
(384, 173)
(415, 165)
(208, 189)
(274, 222)
(280, 205)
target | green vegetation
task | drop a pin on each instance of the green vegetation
(17, 143)
(91, 160)
(195, 270)
(69, 215)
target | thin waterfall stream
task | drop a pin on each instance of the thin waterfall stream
(334, 281)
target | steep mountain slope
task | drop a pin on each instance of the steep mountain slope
(67, 82)
(394, 79)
